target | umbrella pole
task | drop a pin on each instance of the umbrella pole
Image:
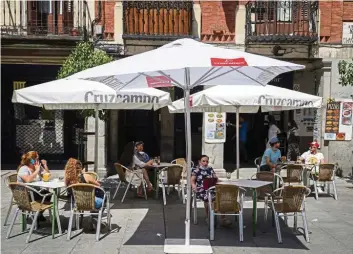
(96, 113)
(188, 159)
(237, 142)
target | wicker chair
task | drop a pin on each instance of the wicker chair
(12, 178)
(182, 162)
(83, 202)
(121, 170)
(22, 196)
(263, 191)
(207, 184)
(229, 201)
(290, 203)
(93, 174)
(170, 176)
(327, 176)
(257, 163)
(294, 174)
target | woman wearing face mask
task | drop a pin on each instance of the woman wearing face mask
(293, 141)
(30, 170)
(198, 174)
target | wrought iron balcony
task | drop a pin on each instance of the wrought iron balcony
(282, 21)
(43, 19)
(158, 20)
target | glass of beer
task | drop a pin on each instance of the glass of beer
(46, 177)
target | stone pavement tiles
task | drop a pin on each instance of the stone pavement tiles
(140, 226)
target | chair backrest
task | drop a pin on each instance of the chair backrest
(120, 171)
(21, 195)
(226, 199)
(174, 174)
(257, 161)
(182, 162)
(209, 182)
(293, 198)
(268, 177)
(12, 178)
(294, 173)
(93, 174)
(326, 172)
(84, 196)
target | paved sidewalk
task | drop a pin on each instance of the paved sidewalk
(141, 226)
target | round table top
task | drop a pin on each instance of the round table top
(163, 165)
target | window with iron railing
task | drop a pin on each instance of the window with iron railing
(157, 19)
(281, 19)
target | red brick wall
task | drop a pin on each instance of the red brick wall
(107, 19)
(333, 14)
(218, 21)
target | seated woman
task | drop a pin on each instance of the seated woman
(313, 157)
(74, 174)
(30, 170)
(198, 174)
(271, 156)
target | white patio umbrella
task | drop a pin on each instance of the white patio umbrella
(246, 99)
(187, 63)
(84, 94)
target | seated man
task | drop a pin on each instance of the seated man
(313, 157)
(141, 155)
(141, 160)
(271, 156)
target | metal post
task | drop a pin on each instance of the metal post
(188, 156)
(96, 140)
(237, 144)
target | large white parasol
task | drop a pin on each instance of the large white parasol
(187, 63)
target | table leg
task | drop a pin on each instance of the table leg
(156, 185)
(54, 213)
(254, 213)
(24, 221)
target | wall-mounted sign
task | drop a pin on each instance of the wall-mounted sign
(339, 124)
(215, 127)
(347, 33)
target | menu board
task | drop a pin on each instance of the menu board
(215, 127)
(338, 125)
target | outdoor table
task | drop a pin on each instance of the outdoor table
(157, 168)
(306, 168)
(54, 185)
(109, 183)
(248, 184)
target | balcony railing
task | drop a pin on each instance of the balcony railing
(159, 20)
(43, 18)
(282, 21)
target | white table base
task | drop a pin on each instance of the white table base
(172, 245)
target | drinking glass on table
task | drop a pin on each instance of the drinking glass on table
(228, 175)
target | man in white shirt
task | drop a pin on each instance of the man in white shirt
(314, 157)
(273, 130)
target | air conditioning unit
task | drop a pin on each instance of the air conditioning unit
(98, 29)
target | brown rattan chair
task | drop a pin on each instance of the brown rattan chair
(228, 201)
(93, 174)
(12, 178)
(22, 196)
(182, 162)
(294, 174)
(263, 191)
(121, 171)
(170, 176)
(290, 203)
(326, 175)
(83, 202)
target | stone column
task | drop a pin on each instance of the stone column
(113, 135)
(118, 23)
(215, 152)
(167, 133)
(240, 21)
(101, 143)
(196, 19)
